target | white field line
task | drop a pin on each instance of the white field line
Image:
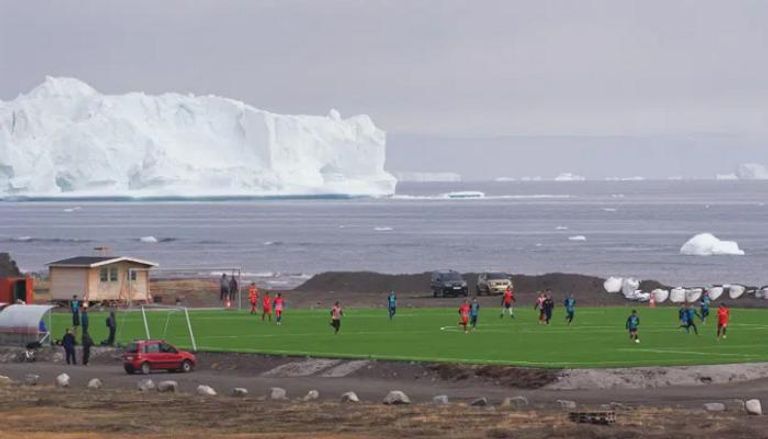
(678, 352)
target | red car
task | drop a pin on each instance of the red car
(147, 355)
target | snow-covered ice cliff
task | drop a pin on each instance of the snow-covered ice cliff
(66, 139)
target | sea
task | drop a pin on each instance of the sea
(604, 228)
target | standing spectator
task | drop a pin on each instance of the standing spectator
(233, 290)
(84, 321)
(112, 327)
(74, 307)
(223, 287)
(87, 343)
(68, 342)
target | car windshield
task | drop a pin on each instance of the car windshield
(451, 276)
(498, 276)
(132, 348)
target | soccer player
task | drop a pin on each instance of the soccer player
(279, 304)
(549, 306)
(540, 306)
(688, 320)
(266, 306)
(464, 315)
(723, 315)
(392, 304)
(336, 313)
(74, 307)
(474, 310)
(570, 308)
(506, 303)
(253, 297)
(704, 307)
(633, 322)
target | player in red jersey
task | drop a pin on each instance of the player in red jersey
(506, 303)
(464, 315)
(253, 297)
(723, 315)
(266, 306)
(279, 304)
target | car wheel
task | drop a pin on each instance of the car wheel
(145, 369)
(186, 366)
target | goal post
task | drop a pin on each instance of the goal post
(170, 310)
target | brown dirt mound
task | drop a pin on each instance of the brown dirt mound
(8, 267)
(517, 377)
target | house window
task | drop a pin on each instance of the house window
(133, 275)
(113, 274)
(104, 275)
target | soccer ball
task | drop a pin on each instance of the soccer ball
(637, 340)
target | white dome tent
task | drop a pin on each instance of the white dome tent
(20, 324)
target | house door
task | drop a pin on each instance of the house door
(20, 290)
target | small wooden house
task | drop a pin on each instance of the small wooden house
(100, 278)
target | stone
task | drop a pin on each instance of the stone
(440, 399)
(566, 404)
(479, 402)
(396, 397)
(753, 407)
(205, 390)
(277, 394)
(714, 407)
(517, 402)
(62, 380)
(311, 395)
(145, 385)
(240, 392)
(350, 397)
(95, 383)
(31, 379)
(168, 386)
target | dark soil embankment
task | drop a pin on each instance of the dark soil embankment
(588, 290)
(8, 267)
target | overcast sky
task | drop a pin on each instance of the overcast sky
(427, 71)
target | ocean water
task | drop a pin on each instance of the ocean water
(631, 229)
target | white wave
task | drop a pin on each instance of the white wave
(608, 209)
(561, 228)
(383, 229)
(22, 238)
(577, 238)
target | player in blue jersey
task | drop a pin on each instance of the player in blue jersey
(688, 319)
(392, 304)
(633, 323)
(570, 308)
(474, 311)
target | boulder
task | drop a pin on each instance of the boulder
(167, 386)
(566, 404)
(517, 402)
(311, 395)
(479, 402)
(277, 394)
(350, 397)
(205, 390)
(440, 399)
(62, 380)
(753, 407)
(714, 407)
(396, 397)
(95, 383)
(240, 392)
(145, 385)
(4, 380)
(31, 379)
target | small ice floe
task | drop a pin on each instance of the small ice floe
(149, 240)
(707, 244)
(608, 209)
(72, 209)
(383, 229)
(561, 228)
(577, 238)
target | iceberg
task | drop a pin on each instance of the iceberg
(707, 244)
(752, 171)
(65, 139)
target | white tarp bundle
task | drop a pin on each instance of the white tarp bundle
(629, 288)
(613, 284)
(640, 296)
(693, 294)
(20, 324)
(736, 291)
(715, 292)
(659, 295)
(677, 295)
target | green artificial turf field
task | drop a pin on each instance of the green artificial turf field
(596, 339)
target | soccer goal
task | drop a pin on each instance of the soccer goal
(167, 322)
